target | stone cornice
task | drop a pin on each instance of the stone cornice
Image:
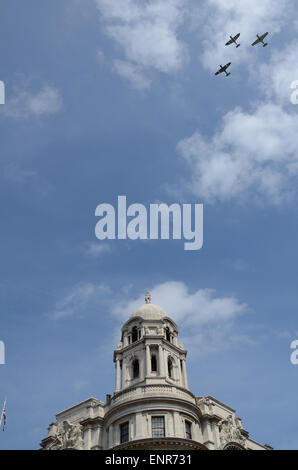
(153, 400)
(161, 443)
(92, 421)
(85, 402)
(143, 384)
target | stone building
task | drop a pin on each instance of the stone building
(152, 406)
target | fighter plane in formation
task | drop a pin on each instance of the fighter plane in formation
(261, 39)
(223, 68)
(233, 39)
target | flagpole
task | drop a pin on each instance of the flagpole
(4, 406)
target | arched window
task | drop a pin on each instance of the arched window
(153, 363)
(135, 369)
(170, 368)
(134, 334)
(168, 334)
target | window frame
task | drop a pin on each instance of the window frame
(134, 368)
(158, 432)
(188, 429)
(153, 363)
(125, 434)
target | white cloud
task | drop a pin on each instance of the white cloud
(218, 19)
(253, 155)
(193, 309)
(78, 301)
(147, 33)
(206, 321)
(96, 250)
(25, 103)
(133, 73)
(277, 75)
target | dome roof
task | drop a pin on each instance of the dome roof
(149, 311)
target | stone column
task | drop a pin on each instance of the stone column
(89, 445)
(184, 373)
(123, 375)
(111, 436)
(160, 361)
(148, 360)
(216, 435)
(165, 363)
(117, 375)
(208, 435)
(139, 426)
(180, 377)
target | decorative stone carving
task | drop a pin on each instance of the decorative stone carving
(69, 438)
(207, 402)
(230, 431)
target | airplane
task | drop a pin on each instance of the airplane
(233, 39)
(223, 68)
(261, 39)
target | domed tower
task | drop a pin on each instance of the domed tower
(149, 352)
(152, 406)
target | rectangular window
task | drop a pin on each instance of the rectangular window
(158, 426)
(188, 429)
(124, 432)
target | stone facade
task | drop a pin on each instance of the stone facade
(152, 406)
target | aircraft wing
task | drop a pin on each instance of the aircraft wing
(223, 68)
(233, 40)
(256, 42)
(260, 39)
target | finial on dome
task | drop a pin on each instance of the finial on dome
(148, 298)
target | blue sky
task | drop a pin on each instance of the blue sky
(108, 98)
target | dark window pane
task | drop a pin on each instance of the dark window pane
(153, 363)
(188, 429)
(124, 432)
(135, 368)
(168, 334)
(134, 334)
(170, 368)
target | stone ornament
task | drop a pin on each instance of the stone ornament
(69, 438)
(230, 431)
